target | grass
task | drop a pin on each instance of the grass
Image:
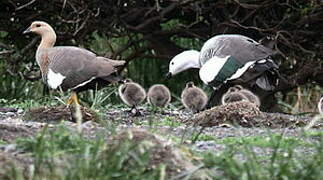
(264, 141)
(302, 99)
(287, 164)
(2, 142)
(62, 153)
(166, 121)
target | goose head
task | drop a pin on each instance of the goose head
(183, 61)
(40, 28)
(46, 32)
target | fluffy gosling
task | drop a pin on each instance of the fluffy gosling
(232, 95)
(132, 94)
(250, 95)
(238, 93)
(193, 98)
(158, 95)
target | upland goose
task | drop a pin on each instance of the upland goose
(250, 95)
(132, 94)
(158, 95)
(70, 67)
(193, 98)
(231, 57)
(320, 106)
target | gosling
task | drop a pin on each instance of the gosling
(194, 98)
(132, 94)
(250, 95)
(232, 95)
(158, 95)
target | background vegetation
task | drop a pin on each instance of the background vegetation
(147, 34)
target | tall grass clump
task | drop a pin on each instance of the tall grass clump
(301, 99)
(65, 154)
(242, 162)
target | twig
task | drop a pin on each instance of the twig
(82, 25)
(30, 45)
(236, 23)
(25, 5)
(4, 45)
(6, 52)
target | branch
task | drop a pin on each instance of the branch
(30, 45)
(4, 52)
(25, 5)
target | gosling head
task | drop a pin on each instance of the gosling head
(190, 84)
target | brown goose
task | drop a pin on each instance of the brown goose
(132, 94)
(70, 67)
(158, 95)
(193, 98)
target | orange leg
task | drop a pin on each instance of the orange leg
(73, 99)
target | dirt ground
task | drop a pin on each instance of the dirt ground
(233, 120)
(221, 121)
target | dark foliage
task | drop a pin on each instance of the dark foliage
(157, 29)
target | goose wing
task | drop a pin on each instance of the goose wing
(240, 47)
(78, 66)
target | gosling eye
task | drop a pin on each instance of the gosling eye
(172, 63)
(38, 25)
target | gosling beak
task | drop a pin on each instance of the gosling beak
(27, 31)
(122, 81)
(168, 75)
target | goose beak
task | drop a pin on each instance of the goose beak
(27, 31)
(168, 75)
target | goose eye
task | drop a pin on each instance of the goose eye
(38, 25)
(172, 63)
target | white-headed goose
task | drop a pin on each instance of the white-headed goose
(228, 57)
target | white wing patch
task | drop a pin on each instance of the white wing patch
(54, 79)
(242, 70)
(83, 83)
(211, 68)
